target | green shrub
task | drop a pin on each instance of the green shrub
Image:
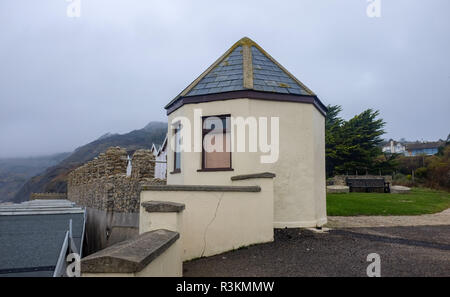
(399, 176)
(421, 172)
(400, 179)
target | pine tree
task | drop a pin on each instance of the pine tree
(354, 145)
(333, 125)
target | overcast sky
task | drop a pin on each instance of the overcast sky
(66, 81)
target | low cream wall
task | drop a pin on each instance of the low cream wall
(215, 222)
(160, 220)
(168, 264)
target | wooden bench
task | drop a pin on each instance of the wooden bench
(368, 185)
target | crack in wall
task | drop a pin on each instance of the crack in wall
(210, 223)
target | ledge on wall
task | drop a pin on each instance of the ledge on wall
(201, 188)
(162, 206)
(253, 175)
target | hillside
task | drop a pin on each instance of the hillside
(54, 179)
(14, 172)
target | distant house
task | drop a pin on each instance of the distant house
(161, 159)
(423, 148)
(36, 237)
(394, 147)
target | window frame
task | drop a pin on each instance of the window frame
(206, 131)
(176, 130)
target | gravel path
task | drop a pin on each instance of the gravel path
(442, 218)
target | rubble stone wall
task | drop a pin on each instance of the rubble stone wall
(103, 183)
(110, 196)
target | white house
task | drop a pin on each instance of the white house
(394, 147)
(161, 159)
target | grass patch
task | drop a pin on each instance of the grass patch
(419, 201)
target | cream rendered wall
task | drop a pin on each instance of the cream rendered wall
(215, 222)
(300, 169)
(168, 264)
(320, 174)
(171, 221)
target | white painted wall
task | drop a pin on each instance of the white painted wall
(299, 187)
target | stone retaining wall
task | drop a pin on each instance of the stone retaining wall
(103, 183)
(111, 197)
(114, 162)
(48, 196)
(118, 193)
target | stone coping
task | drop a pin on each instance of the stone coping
(338, 189)
(130, 256)
(400, 190)
(254, 175)
(162, 206)
(201, 188)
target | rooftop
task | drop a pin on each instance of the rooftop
(40, 207)
(32, 235)
(246, 67)
(424, 145)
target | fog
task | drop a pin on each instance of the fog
(65, 81)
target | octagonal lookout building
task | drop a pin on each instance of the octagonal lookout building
(247, 83)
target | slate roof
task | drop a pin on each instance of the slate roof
(32, 235)
(269, 77)
(226, 76)
(233, 72)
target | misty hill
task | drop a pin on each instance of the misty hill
(14, 172)
(104, 136)
(54, 179)
(152, 126)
